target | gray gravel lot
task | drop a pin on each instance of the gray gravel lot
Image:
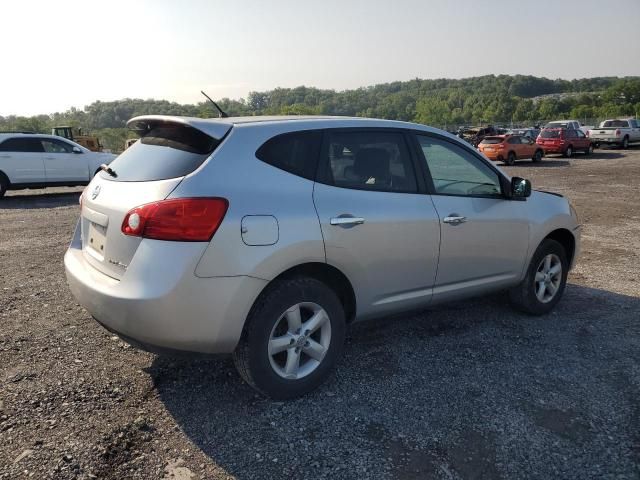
(468, 391)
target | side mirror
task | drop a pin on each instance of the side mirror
(77, 150)
(520, 187)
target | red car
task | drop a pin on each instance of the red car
(566, 141)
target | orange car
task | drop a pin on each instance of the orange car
(509, 148)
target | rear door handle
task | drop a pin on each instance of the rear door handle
(346, 221)
(454, 219)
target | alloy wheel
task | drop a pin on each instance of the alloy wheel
(299, 340)
(548, 278)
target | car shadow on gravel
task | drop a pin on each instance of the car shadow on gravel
(471, 390)
(545, 163)
(45, 200)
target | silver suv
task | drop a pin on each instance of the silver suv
(265, 237)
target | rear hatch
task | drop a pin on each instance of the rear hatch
(551, 136)
(169, 149)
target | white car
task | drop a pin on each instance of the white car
(38, 161)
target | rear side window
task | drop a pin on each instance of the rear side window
(32, 145)
(166, 151)
(369, 161)
(295, 152)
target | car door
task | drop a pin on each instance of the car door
(515, 144)
(582, 141)
(484, 235)
(61, 163)
(379, 226)
(528, 147)
(21, 159)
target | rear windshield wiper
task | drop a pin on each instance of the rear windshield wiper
(106, 168)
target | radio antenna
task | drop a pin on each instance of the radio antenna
(221, 113)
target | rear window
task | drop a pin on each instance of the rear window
(492, 140)
(166, 151)
(615, 124)
(557, 125)
(550, 134)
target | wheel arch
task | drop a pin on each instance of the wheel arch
(5, 177)
(565, 238)
(330, 276)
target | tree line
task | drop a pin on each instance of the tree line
(445, 103)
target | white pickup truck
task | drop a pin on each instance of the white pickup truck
(568, 124)
(620, 132)
(38, 161)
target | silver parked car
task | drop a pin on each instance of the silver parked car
(264, 237)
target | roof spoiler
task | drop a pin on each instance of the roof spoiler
(214, 128)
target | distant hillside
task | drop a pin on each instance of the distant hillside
(439, 102)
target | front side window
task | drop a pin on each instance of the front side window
(56, 146)
(456, 171)
(295, 152)
(580, 134)
(369, 161)
(27, 144)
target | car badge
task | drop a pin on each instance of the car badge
(95, 193)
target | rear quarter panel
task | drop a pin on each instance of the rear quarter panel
(253, 187)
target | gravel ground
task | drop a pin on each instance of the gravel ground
(468, 391)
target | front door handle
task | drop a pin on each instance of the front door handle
(346, 221)
(454, 219)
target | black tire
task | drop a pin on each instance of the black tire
(511, 158)
(537, 157)
(252, 358)
(4, 184)
(568, 152)
(625, 143)
(523, 296)
(589, 149)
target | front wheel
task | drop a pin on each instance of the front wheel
(537, 157)
(545, 281)
(292, 339)
(589, 149)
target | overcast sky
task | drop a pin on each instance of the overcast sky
(58, 54)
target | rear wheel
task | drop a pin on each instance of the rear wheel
(511, 158)
(4, 184)
(625, 143)
(568, 152)
(293, 338)
(589, 149)
(537, 157)
(544, 282)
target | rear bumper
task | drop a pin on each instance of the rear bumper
(607, 141)
(553, 148)
(493, 156)
(162, 304)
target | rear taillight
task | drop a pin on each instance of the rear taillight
(180, 219)
(618, 133)
(587, 134)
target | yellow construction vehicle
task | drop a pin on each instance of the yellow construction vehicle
(76, 135)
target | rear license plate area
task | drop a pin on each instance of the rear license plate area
(97, 238)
